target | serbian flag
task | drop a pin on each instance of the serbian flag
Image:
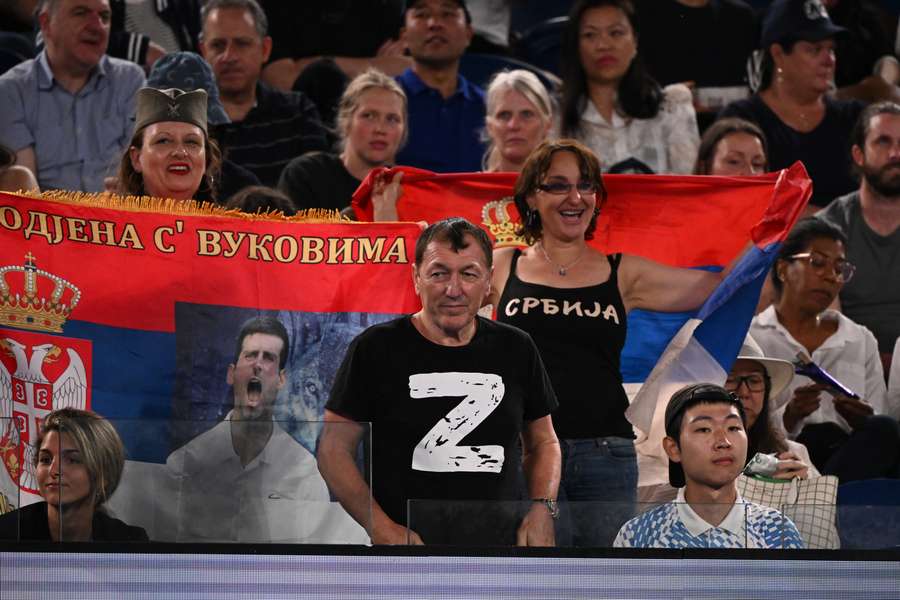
(705, 347)
(131, 308)
(685, 221)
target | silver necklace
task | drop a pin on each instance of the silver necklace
(561, 269)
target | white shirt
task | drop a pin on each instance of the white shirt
(667, 143)
(850, 355)
(893, 393)
(268, 500)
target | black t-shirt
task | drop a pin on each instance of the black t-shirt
(825, 151)
(318, 180)
(708, 45)
(580, 333)
(331, 27)
(445, 420)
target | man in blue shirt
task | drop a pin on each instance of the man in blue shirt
(446, 112)
(707, 448)
(69, 113)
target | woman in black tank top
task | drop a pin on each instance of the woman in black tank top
(573, 300)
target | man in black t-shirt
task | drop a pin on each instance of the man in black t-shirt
(449, 395)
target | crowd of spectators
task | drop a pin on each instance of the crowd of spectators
(289, 106)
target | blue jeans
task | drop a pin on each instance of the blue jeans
(598, 490)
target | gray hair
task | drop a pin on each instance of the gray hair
(527, 84)
(260, 21)
(362, 83)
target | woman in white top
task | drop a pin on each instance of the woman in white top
(848, 437)
(610, 102)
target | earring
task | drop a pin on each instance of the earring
(779, 75)
(532, 220)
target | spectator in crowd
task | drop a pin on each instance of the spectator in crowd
(143, 31)
(519, 118)
(170, 155)
(870, 218)
(256, 199)
(372, 128)
(15, 177)
(446, 111)
(351, 36)
(706, 442)
(78, 460)
(67, 113)
(848, 437)
(757, 380)
(406, 377)
(559, 194)
(705, 43)
(268, 127)
(610, 102)
(235, 479)
(800, 120)
(732, 148)
(188, 71)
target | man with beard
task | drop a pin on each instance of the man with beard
(870, 218)
(69, 113)
(268, 127)
(446, 111)
(240, 481)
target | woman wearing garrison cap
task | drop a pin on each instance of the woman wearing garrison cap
(171, 155)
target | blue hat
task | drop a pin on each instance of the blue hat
(188, 71)
(805, 20)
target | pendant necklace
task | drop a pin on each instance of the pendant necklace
(562, 269)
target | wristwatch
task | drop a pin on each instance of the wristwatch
(552, 506)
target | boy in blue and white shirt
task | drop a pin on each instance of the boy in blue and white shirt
(707, 448)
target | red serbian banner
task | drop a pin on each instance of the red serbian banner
(131, 308)
(681, 220)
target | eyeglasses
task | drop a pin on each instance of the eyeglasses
(560, 188)
(841, 268)
(755, 382)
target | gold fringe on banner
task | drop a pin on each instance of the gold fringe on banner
(192, 208)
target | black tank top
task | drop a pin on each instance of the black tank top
(580, 333)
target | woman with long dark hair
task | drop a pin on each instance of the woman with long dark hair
(610, 102)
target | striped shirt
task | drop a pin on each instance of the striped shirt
(280, 127)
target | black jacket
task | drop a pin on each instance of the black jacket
(30, 523)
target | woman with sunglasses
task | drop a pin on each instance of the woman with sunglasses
(573, 300)
(838, 430)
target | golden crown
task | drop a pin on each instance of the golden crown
(27, 310)
(495, 216)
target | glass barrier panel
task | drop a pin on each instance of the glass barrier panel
(137, 480)
(245, 482)
(601, 525)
